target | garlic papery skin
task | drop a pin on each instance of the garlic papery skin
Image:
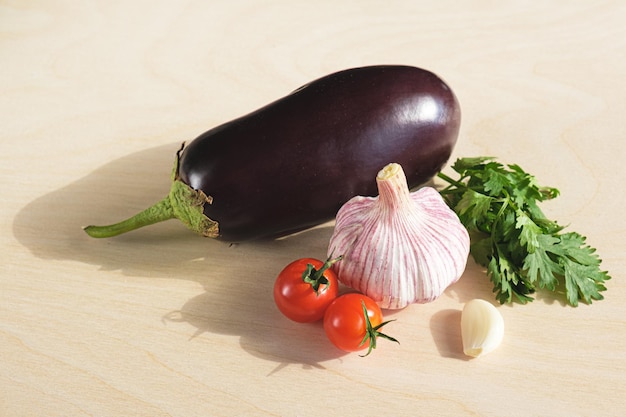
(482, 328)
(400, 247)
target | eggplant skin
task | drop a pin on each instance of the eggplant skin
(293, 163)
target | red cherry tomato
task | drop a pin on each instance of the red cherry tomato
(352, 323)
(304, 289)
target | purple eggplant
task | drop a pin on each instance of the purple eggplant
(293, 163)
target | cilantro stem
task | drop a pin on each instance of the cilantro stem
(451, 181)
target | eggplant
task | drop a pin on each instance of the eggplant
(293, 163)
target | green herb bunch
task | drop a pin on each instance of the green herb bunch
(521, 249)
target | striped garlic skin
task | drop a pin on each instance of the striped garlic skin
(400, 247)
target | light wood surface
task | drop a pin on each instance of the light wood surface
(95, 98)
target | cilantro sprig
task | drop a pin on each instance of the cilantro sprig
(522, 249)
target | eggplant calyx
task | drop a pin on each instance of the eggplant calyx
(182, 203)
(188, 207)
(188, 203)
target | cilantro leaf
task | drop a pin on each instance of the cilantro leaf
(522, 250)
(540, 266)
(473, 207)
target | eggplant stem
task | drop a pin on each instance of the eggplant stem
(182, 203)
(159, 212)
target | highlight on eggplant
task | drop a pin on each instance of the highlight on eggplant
(293, 163)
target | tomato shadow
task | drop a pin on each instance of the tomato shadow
(248, 311)
(241, 302)
(237, 278)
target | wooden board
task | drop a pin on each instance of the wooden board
(95, 99)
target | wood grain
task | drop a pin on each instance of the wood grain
(95, 98)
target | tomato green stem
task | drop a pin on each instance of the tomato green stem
(316, 277)
(372, 333)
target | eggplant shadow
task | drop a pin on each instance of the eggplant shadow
(237, 278)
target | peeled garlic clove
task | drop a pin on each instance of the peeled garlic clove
(399, 247)
(482, 328)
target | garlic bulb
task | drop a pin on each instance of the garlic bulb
(400, 247)
(482, 328)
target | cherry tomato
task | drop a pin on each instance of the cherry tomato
(304, 289)
(352, 322)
